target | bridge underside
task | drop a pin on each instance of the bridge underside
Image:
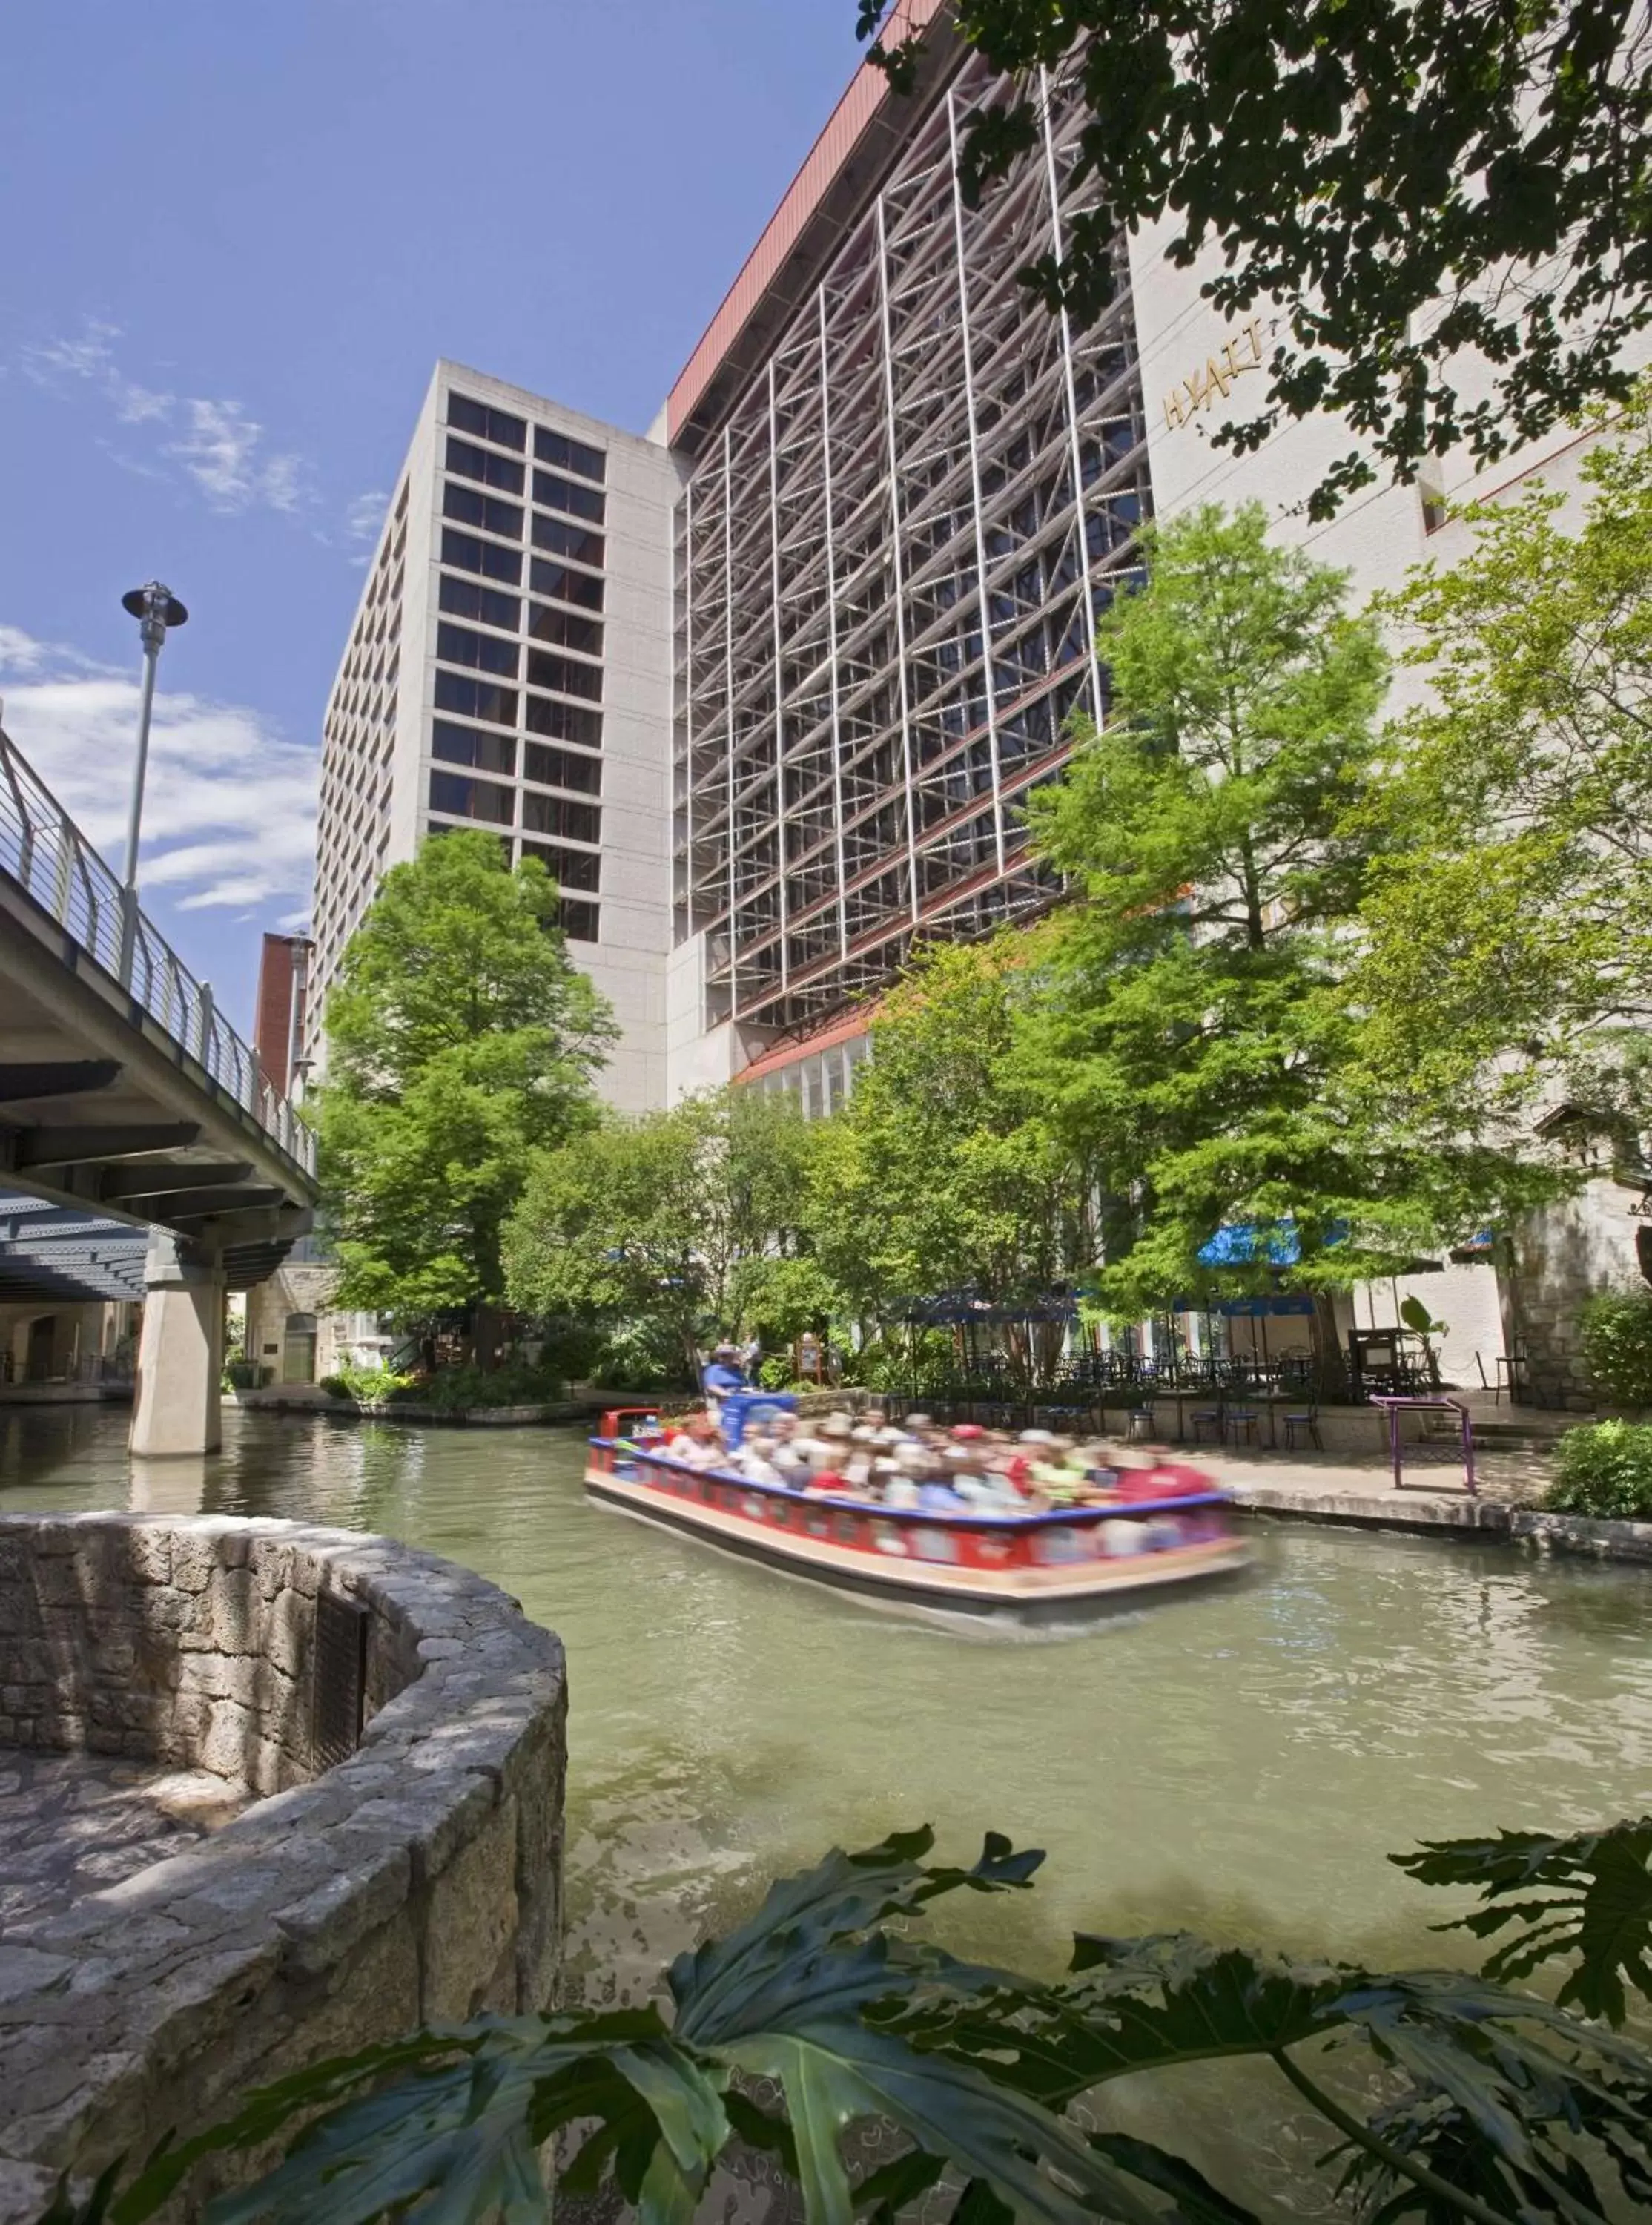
(120, 1129)
(64, 1255)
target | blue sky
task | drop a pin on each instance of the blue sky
(238, 236)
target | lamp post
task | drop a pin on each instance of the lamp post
(156, 608)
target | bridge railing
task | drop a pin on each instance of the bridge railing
(44, 852)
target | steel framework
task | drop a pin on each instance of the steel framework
(891, 558)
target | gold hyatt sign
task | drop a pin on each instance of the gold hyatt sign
(1236, 356)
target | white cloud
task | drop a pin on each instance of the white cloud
(365, 516)
(220, 449)
(213, 442)
(229, 813)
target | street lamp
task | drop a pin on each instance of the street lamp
(156, 608)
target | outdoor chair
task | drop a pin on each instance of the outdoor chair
(1240, 1425)
(1304, 1423)
(1206, 1417)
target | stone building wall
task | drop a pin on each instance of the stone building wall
(419, 1880)
(1554, 1261)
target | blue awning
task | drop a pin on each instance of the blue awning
(1262, 1243)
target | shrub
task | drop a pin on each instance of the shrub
(462, 1390)
(1617, 1345)
(1605, 1470)
(367, 1384)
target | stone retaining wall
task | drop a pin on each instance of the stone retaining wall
(418, 1880)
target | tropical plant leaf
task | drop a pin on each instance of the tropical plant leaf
(1589, 1896)
(732, 1985)
(979, 2205)
(669, 2195)
(772, 2135)
(893, 2185)
(1195, 2197)
(682, 2101)
(836, 2072)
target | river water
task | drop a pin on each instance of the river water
(1237, 1763)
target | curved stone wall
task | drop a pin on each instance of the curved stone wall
(417, 1880)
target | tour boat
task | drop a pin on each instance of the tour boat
(1032, 1567)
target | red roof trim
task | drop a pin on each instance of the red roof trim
(865, 94)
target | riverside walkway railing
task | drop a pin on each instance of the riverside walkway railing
(45, 853)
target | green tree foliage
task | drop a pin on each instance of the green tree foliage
(459, 1041)
(1449, 197)
(946, 1171)
(1511, 922)
(1198, 1033)
(649, 1220)
(1453, 2097)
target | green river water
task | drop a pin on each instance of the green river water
(1237, 1762)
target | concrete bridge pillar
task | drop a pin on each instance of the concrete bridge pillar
(176, 1408)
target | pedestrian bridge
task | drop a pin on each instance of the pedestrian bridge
(125, 1095)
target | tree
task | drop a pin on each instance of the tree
(1510, 924)
(1447, 199)
(944, 1172)
(459, 1041)
(1199, 1034)
(650, 1219)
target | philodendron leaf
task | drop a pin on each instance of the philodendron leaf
(893, 2185)
(834, 2073)
(1195, 2198)
(669, 2194)
(1589, 1897)
(729, 1987)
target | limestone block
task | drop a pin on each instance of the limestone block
(470, 1919)
(288, 1630)
(25, 2191)
(432, 1819)
(326, 1923)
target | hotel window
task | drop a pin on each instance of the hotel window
(565, 629)
(562, 768)
(578, 920)
(468, 505)
(467, 745)
(563, 722)
(570, 869)
(568, 586)
(476, 699)
(469, 555)
(554, 814)
(450, 792)
(568, 678)
(562, 538)
(566, 495)
(480, 464)
(495, 425)
(569, 456)
(468, 598)
(459, 646)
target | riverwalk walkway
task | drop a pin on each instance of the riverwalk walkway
(1358, 1491)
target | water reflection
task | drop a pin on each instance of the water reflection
(1241, 1762)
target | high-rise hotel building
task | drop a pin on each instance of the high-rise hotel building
(768, 689)
(510, 667)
